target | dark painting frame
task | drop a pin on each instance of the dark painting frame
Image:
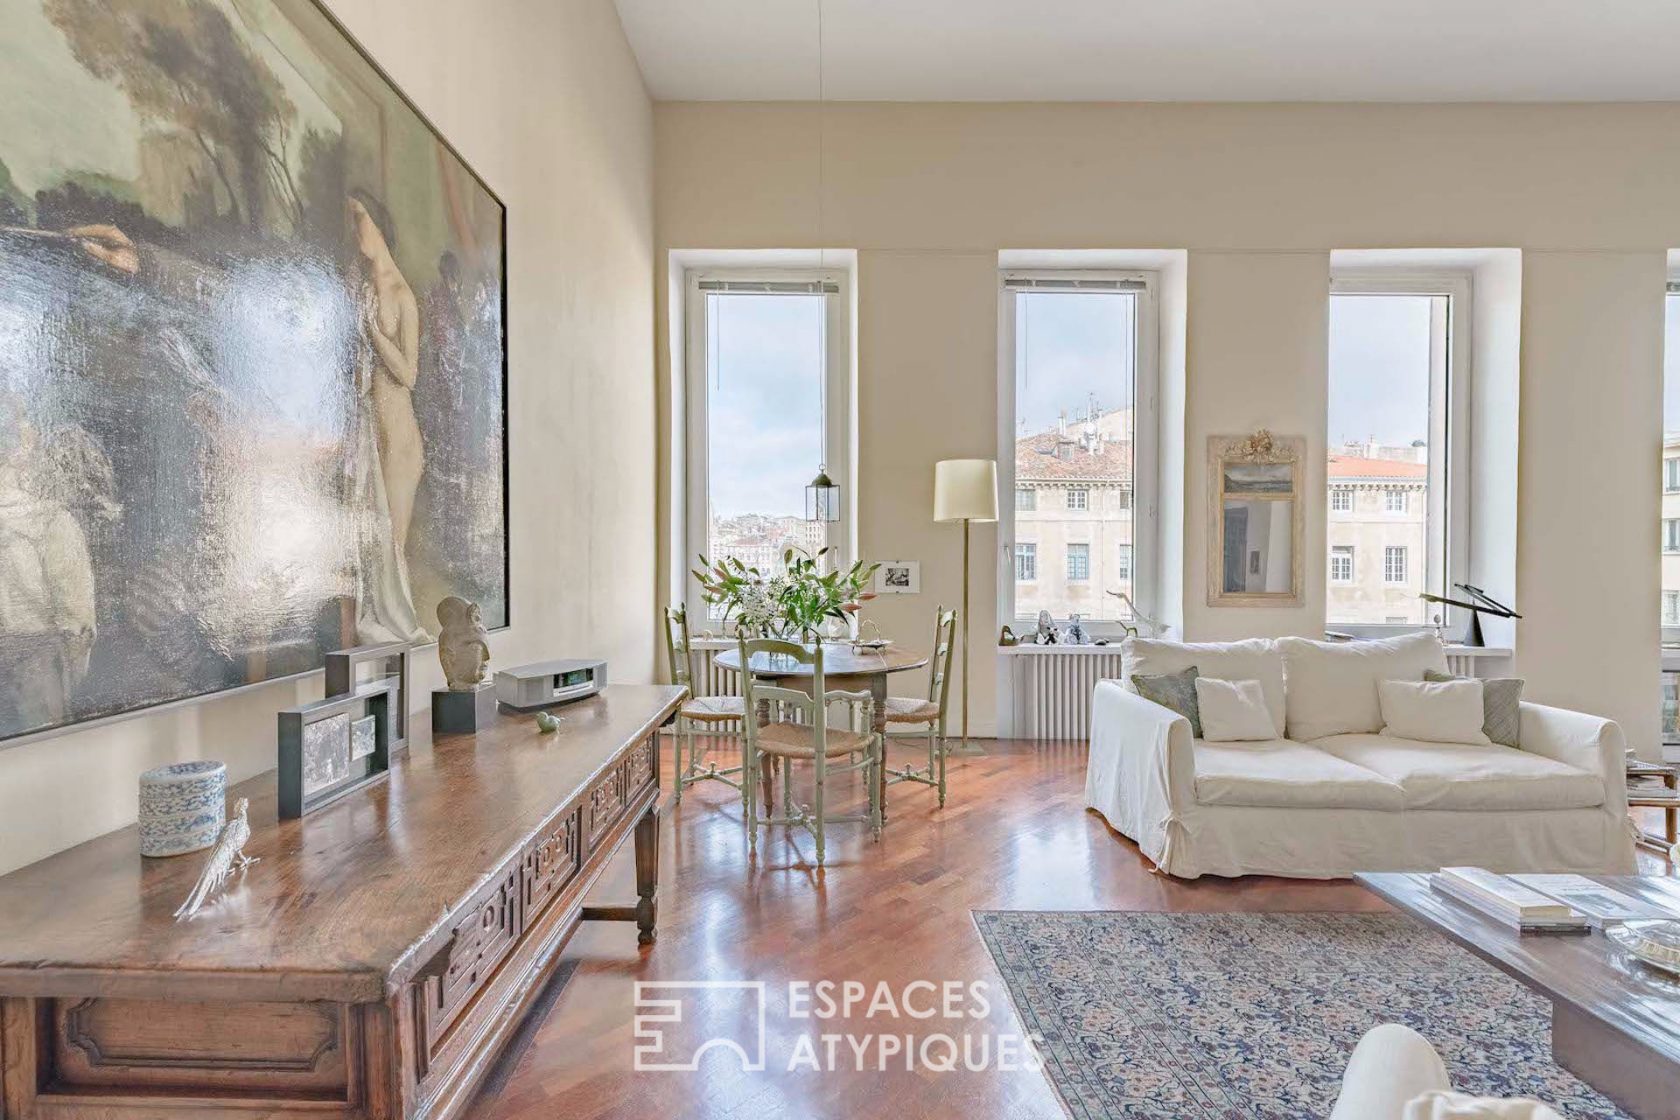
(394, 91)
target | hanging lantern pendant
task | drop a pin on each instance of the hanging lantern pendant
(822, 497)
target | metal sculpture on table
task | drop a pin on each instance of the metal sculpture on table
(226, 857)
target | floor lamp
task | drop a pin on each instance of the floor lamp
(965, 490)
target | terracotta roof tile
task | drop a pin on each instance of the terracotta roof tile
(1352, 466)
(1037, 460)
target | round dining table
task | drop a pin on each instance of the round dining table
(846, 668)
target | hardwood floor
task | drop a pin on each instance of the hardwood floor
(1013, 835)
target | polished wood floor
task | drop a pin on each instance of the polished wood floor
(1013, 835)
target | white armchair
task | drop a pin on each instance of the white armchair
(1394, 1074)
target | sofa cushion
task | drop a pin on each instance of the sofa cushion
(1460, 776)
(1254, 659)
(1285, 775)
(1332, 686)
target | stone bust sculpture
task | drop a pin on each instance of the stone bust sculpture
(463, 644)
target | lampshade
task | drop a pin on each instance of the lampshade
(965, 490)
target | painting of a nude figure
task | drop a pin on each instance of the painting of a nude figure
(252, 357)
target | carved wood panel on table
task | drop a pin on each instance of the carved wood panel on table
(324, 981)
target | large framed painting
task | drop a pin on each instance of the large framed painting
(253, 362)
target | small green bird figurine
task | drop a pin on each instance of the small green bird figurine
(547, 723)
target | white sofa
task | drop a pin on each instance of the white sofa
(1330, 795)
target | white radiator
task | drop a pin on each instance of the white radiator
(1050, 689)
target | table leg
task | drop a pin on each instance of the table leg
(647, 875)
(878, 690)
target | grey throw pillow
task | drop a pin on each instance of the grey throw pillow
(1173, 690)
(1501, 706)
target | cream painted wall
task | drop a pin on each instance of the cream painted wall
(1257, 321)
(1588, 554)
(1259, 194)
(544, 99)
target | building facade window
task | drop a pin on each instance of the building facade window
(1671, 534)
(1671, 475)
(1078, 563)
(767, 386)
(1394, 563)
(1075, 388)
(1341, 564)
(1026, 501)
(1026, 562)
(1399, 374)
(1671, 608)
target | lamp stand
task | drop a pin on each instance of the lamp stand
(967, 748)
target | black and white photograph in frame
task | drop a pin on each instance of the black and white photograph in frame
(899, 577)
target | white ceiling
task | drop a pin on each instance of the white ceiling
(1159, 50)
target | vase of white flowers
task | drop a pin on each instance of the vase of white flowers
(793, 603)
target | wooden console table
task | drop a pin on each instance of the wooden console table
(370, 966)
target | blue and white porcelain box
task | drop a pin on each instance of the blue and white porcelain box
(183, 807)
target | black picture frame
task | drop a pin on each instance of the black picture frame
(295, 797)
(395, 662)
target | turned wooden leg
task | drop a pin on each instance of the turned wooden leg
(767, 783)
(647, 875)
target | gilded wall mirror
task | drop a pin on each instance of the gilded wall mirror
(1254, 520)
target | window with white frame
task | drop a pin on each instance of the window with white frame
(1394, 564)
(1399, 377)
(1341, 563)
(1026, 562)
(1076, 393)
(1671, 608)
(1669, 562)
(1026, 500)
(1078, 562)
(767, 392)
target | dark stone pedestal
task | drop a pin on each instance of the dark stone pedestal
(455, 713)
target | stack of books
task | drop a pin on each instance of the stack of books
(1522, 908)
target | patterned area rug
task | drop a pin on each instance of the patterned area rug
(1227, 1016)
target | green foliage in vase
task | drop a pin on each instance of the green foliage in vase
(793, 603)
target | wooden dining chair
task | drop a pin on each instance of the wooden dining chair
(926, 719)
(789, 726)
(715, 717)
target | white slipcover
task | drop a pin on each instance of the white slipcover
(1394, 1074)
(1147, 777)
(1332, 686)
(1253, 659)
(1460, 776)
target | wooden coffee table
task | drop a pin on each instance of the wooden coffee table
(1615, 1023)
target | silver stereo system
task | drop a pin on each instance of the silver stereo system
(549, 682)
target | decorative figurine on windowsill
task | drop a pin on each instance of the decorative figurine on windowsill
(226, 857)
(1075, 634)
(1045, 635)
(1142, 625)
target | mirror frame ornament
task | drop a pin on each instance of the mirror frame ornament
(1260, 448)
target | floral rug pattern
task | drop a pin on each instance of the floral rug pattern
(1238, 1016)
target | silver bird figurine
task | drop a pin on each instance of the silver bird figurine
(226, 857)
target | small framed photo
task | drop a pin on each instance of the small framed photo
(899, 577)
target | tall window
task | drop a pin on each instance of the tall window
(1394, 391)
(767, 392)
(1341, 563)
(1671, 482)
(1078, 563)
(1394, 563)
(1026, 501)
(1026, 562)
(1075, 394)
